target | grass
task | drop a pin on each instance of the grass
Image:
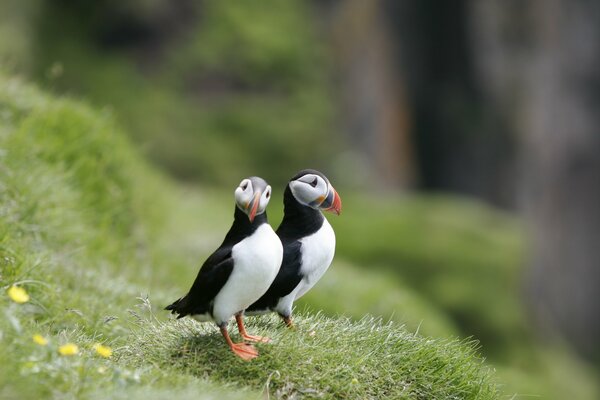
(324, 357)
(88, 229)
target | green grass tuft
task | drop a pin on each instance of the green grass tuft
(322, 358)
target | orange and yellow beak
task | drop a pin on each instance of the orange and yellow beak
(332, 202)
(253, 205)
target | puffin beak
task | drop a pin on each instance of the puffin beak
(333, 202)
(254, 205)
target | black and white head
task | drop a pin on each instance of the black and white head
(311, 188)
(252, 196)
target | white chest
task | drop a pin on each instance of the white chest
(259, 254)
(317, 250)
(256, 262)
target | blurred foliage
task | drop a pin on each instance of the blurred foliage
(345, 291)
(17, 33)
(61, 155)
(223, 89)
(451, 251)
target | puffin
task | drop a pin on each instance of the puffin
(239, 271)
(308, 242)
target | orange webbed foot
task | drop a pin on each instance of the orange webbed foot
(245, 351)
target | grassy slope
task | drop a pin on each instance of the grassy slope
(323, 357)
(83, 230)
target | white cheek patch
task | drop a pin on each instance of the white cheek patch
(304, 193)
(264, 200)
(243, 197)
(322, 189)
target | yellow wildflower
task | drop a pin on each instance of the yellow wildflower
(354, 381)
(68, 349)
(39, 339)
(18, 294)
(102, 350)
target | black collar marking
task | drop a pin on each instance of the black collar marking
(298, 220)
(242, 227)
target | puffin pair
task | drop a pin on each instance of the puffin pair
(259, 270)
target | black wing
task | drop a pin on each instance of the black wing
(286, 280)
(210, 280)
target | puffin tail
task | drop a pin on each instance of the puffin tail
(173, 306)
(177, 307)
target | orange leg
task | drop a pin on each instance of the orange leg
(251, 338)
(245, 351)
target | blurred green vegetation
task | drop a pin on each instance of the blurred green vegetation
(451, 251)
(345, 291)
(244, 90)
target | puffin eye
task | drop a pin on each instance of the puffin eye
(314, 183)
(268, 195)
(244, 186)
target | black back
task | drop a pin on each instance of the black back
(216, 269)
(298, 222)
